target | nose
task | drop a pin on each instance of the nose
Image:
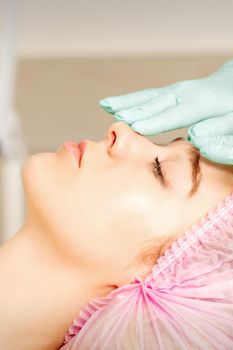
(121, 138)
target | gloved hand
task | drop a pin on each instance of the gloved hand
(206, 104)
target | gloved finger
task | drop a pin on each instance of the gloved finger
(113, 104)
(216, 148)
(218, 153)
(221, 125)
(221, 141)
(172, 118)
(147, 109)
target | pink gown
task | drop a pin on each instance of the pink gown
(185, 303)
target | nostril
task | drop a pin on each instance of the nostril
(113, 138)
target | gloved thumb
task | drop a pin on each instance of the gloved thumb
(220, 125)
(218, 149)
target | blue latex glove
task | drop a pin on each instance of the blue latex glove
(206, 104)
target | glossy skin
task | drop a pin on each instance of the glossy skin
(100, 214)
(85, 229)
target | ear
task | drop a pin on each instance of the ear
(141, 266)
(149, 256)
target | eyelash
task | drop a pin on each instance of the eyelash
(156, 167)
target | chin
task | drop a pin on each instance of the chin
(37, 175)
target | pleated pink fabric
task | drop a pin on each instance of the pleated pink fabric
(185, 303)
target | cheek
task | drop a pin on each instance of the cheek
(98, 218)
(110, 221)
(93, 217)
(119, 216)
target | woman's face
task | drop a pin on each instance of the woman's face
(101, 215)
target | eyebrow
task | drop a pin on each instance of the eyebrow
(194, 158)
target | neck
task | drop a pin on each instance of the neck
(46, 292)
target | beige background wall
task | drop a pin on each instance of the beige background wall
(113, 27)
(57, 99)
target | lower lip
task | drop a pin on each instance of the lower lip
(74, 150)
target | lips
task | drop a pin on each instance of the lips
(76, 150)
(82, 145)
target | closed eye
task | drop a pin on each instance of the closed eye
(158, 171)
(157, 167)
